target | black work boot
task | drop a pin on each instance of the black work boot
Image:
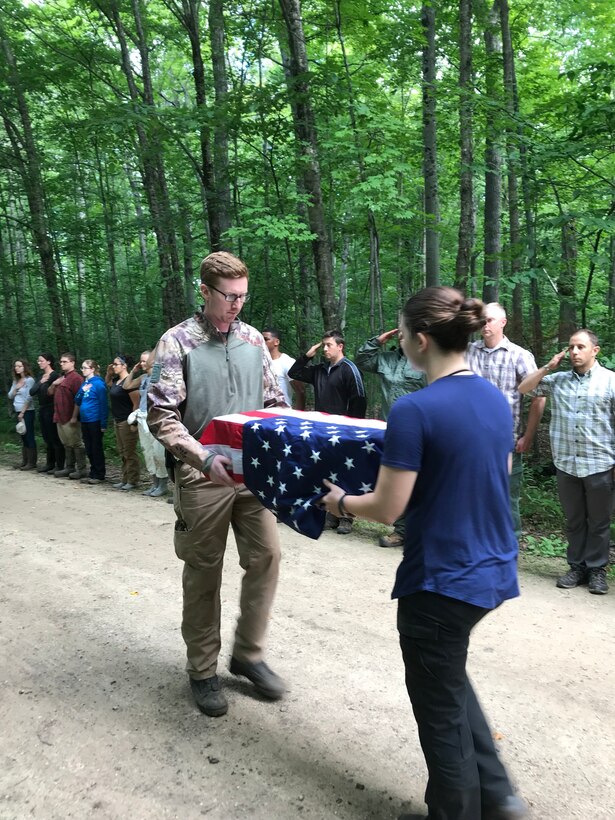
(575, 576)
(209, 697)
(265, 680)
(597, 581)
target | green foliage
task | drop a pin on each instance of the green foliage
(551, 546)
(541, 508)
(87, 130)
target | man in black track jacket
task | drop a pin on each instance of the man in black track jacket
(338, 388)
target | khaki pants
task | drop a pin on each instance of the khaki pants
(127, 436)
(204, 512)
(70, 436)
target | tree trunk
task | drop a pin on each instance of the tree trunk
(307, 145)
(611, 293)
(28, 165)
(188, 263)
(189, 19)
(375, 275)
(152, 164)
(530, 229)
(430, 153)
(218, 64)
(466, 111)
(110, 239)
(567, 283)
(493, 163)
(514, 221)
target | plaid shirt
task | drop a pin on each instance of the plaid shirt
(582, 420)
(505, 366)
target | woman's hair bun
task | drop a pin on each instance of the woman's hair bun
(472, 312)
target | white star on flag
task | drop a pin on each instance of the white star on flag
(334, 440)
(282, 488)
(349, 463)
(366, 488)
(255, 462)
(255, 426)
(298, 472)
(333, 478)
(369, 447)
(270, 481)
(287, 450)
(315, 456)
(265, 445)
(305, 434)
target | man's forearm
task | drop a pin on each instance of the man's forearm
(537, 408)
(532, 381)
(301, 370)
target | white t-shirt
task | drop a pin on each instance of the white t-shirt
(280, 367)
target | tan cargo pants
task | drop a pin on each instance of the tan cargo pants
(204, 512)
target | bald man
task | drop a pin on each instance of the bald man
(506, 365)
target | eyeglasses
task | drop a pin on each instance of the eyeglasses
(232, 297)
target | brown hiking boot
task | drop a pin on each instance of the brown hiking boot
(392, 540)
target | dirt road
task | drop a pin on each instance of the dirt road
(96, 718)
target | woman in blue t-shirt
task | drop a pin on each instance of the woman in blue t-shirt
(93, 414)
(446, 463)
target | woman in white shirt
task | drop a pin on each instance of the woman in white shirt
(23, 405)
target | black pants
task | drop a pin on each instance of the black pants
(93, 442)
(49, 431)
(587, 504)
(466, 775)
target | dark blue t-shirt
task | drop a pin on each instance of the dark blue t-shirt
(457, 433)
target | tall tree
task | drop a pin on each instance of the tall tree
(376, 319)
(152, 158)
(221, 120)
(307, 144)
(514, 218)
(26, 157)
(188, 14)
(466, 173)
(430, 150)
(493, 160)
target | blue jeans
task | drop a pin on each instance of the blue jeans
(28, 439)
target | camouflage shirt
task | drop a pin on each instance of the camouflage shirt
(200, 373)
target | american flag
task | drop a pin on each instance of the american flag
(283, 455)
